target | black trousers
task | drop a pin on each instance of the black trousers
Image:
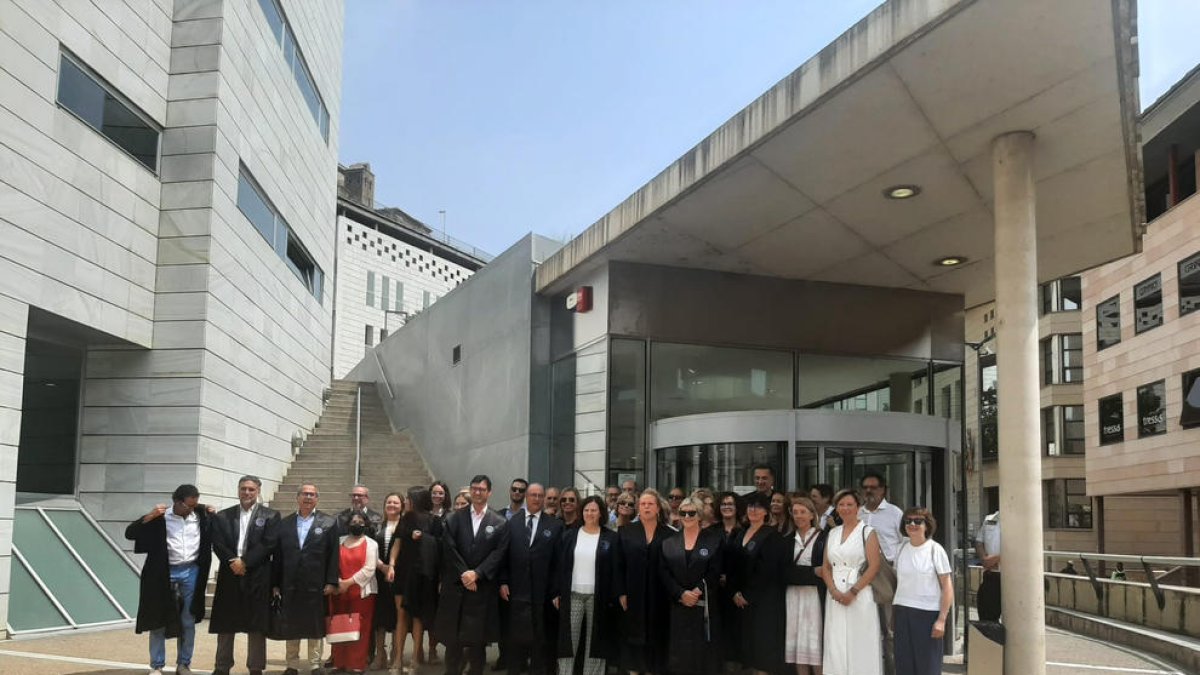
(475, 655)
(987, 599)
(526, 642)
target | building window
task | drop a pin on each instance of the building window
(1190, 415)
(988, 441)
(370, 289)
(425, 300)
(1112, 419)
(387, 288)
(1152, 409)
(1189, 284)
(369, 336)
(456, 354)
(399, 296)
(1108, 322)
(383, 333)
(1062, 430)
(253, 203)
(1067, 504)
(1062, 295)
(1147, 304)
(1071, 366)
(292, 55)
(98, 105)
(1047, 360)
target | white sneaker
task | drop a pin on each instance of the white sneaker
(183, 670)
(156, 671)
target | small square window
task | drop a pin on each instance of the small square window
(1190, 416)
(456, 354)
(1189, 284)
(1147, 304)
(1112, 419)
(1108, 322)
(1152, 409)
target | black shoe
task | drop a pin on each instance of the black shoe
(220, 671)
(499, 665)
(290, 671)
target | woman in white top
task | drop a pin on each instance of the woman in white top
(388, 598)
(802, 639)
(583, 591)
(924, 596)
(358, 557)
(852, 638)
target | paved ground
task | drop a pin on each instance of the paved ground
(121, 651)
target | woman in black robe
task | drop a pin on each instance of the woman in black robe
(758, 585)
(729, 525)
(639, 587)
(690, 569)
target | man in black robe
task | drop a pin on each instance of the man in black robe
(474, 543)
(303, 572)
(244, 538)
(532, 539)
(178, 548)
(360, 498)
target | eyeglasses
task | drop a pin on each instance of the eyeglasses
(911, 522)
(355, 494)
(308, 494)
(517, 489)
(625, 504)
(688, 514)
(675, 498)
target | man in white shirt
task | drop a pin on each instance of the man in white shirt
(987, 547)
(178, 547)
(878, 513)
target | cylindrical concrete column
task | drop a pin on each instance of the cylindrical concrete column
(1024, 603)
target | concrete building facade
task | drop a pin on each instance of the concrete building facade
(168, 179)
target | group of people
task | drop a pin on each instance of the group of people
(632, 580)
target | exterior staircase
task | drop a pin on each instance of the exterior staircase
(390, 460)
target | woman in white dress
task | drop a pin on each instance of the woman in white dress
(802, 641)
(852, 638)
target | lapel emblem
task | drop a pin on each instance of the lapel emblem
(703, 553)
(489, 530)
(750, 546)
(318, 530)
(546, 533)
(260, 522)
(604, 545)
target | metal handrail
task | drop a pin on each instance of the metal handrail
(357, 433)
(1144, 560)
(383, 374)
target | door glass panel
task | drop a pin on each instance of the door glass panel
(29, 608)
(808, 469)
(720, 466)
(106, 563)
(835, 468)
(59, 570)
(895, 466)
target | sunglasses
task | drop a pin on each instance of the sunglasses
(628, 504)
(676, 498)
(517, 489)
(910, 522)
(568, 500)
(688, 514)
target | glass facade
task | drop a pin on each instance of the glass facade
(1152, 409)
(863, 383)
(1067, 504)
(1147, 304)
(721, 466)
(690, 379)
(1108, 322)
(627, 409)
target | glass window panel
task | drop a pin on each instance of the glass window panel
(426, 299)
(895, 466)
(1152, 409)
(1189, 284)
(988, 436)
(370, 289)
(1049, 432)
(1112, 419)
(1047, 298)
(28, 606)
(1070, 294)
(691, 379)
(387, 285)
(1108, 322)
(720, 466)
(1072, 357)
(1147, 304)
(59, 570)
(399, 296)
(85, 96)
(861, 383)
(1190, 414)
(105, 562)
(835, 467)
(1046, 360)
(626, 408)
(1054, 501)
(254, 206)
(562, 421)
(369, 335)
(808, 468)
(947, 382)
(274, 19)
(1072, 430)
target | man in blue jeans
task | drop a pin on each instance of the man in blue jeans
(177, 543)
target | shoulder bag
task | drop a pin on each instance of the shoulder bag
(883, 586)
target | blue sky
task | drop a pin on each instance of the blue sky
(540, 115)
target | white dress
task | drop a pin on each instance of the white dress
(852, 639)
(802, 644)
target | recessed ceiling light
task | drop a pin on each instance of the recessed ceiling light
(902, 191)
(950, 261)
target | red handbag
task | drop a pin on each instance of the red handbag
(343, 628)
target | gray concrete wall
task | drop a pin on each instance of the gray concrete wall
(472, 417)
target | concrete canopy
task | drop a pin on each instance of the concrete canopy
(793, 185)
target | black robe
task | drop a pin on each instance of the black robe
(471, 618)
(301, 571)
(242, 604)
(692, 649)
(644, 622)
(528, 568)
(156, 601)
(759, 567)
(604, 639)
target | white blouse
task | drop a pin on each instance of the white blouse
(583, 575)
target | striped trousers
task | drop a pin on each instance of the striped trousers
(583, 616)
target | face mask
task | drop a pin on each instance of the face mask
(357, 530)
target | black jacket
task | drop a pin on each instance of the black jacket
(759, 568)
(644, 622)
(156, 602)
(301, 570)
(604, 641)
(241, 603)
(693, 648)
(471, 618)
(528, 568)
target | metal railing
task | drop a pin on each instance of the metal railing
(442, 236)
(1146, 562)
(357, 432)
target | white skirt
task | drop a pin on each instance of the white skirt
(802, 644)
